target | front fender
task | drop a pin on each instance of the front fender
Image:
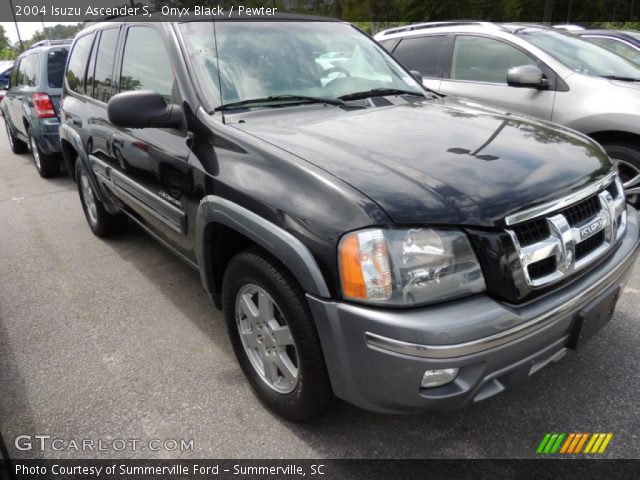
(277, 241)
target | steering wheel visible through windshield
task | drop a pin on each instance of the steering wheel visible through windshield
(257, 60)
(582, 56)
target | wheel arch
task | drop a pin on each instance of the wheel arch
(224, 228)
(615, 136)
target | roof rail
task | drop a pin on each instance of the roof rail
(452, 23)
(47, 43)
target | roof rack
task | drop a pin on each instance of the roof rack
(453, 23)
(48, 43)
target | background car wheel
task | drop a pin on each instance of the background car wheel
(626, 158)
(17, 146)
(274, 337)
(47, 165)
(101, 222)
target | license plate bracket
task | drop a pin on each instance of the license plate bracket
(593, 317)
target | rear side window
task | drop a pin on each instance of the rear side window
(78, 63)
(15, 74)
(421, 53)
(56, 60)
(145, 63)
(103, 80)
(486, 60)
(616, 46)
(28, 71)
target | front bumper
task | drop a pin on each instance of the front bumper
(376, 357)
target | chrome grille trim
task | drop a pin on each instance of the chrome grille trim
(563, 239)
(549, 207)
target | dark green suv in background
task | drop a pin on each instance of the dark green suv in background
(30, 106)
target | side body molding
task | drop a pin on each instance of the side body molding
(280, 243)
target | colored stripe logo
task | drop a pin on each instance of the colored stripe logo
(574, 443)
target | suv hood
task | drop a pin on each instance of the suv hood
(443, 161)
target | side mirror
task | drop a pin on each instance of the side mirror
(527, 76)
(417, 75)
(144, 109)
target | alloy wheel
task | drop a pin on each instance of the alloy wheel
(35, 152)
(266, 339)
(630, 176)
(89, 199)
(9, 134)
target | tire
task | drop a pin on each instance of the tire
(101, 222)
(309, 395)
(47, 165)
(626, 158)
(17, 145)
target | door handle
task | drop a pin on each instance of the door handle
(76, 122)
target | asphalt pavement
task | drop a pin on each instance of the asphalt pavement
(105, 340)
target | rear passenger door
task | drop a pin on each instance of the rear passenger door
(424, 54)
(150, 169)
(20, 93)
(477, 69)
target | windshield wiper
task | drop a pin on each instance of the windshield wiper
(278, 100)
(379, 92)
(622, 79)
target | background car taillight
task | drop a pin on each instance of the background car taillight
(43, 105)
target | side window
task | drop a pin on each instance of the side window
(78, 63)
(91, 68)
(30, 72)
(16, 75)
(387, 44)
(481, 59)
(421, 53)
(145, 63)
(104, 65)
(56, 60)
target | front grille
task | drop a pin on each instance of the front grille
(542, 268)
(582, 211)
(587, 246)
(549, 238)
(532, 232)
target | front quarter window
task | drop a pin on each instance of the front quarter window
(249, 60)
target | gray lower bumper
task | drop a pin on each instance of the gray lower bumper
(376, 357)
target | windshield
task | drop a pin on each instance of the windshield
(257, 60)
(582, 56)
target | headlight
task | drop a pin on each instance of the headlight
(408, 266)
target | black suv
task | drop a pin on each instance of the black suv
(365, 237)
(31, 103)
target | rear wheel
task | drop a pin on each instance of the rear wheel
(101, 222)
(626, 158)
(47, 165)
(274, 337)
(17, 146)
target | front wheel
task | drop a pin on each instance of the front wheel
(626, 158)
(274, 337)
